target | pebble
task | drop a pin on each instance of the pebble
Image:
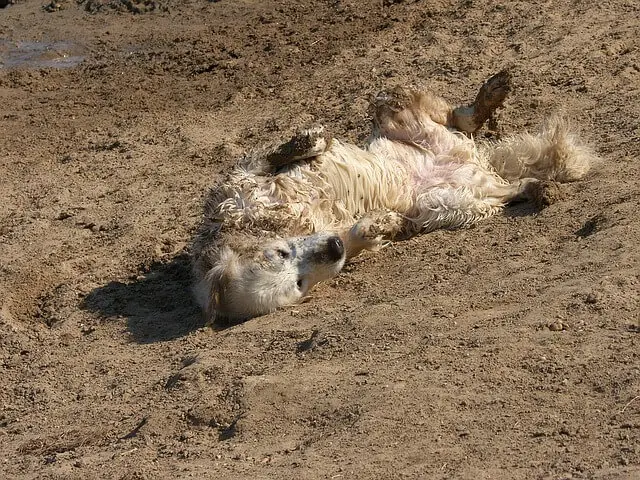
(556, 326)
(593, 298)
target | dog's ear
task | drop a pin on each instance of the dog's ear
(218, 279)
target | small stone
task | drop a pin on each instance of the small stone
(593, 298)
(564, 431)
(556, 326)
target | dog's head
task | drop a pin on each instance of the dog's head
(245, 279)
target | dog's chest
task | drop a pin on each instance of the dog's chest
(361, 181)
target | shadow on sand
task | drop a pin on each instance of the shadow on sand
(520, 209)
(158, 305)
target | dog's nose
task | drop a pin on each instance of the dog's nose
(335, 248)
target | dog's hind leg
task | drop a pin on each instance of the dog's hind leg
(462, 204)
(414, 117)
(419, 117)
(541, 193)
(491, 96)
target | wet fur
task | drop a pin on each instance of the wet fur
(416, 173)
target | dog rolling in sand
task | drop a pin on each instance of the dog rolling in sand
(290, 216)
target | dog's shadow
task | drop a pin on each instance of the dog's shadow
(157, 304)
(521, 209)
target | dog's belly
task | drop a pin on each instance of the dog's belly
(389, 175)
(345, 182)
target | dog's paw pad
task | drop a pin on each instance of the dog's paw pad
(313, 141)
(364, 235)
(495, 90)
(304, 144)
(490, 97)
(545, 193)
(308, 143)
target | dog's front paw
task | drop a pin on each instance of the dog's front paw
(364, 235)
(376, 230)
(303, 145)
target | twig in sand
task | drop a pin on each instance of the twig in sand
(630, 402)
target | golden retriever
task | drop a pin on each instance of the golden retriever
(289, 216)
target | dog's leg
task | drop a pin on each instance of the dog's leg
(457, 205)
(541, 193)
(491, 96)
(304, 144)
(408, 107)
(463, 206)
(373, 231)
(416, 116)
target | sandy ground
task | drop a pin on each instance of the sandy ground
(511, 350)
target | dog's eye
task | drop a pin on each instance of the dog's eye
(299, 284)
(283, 253)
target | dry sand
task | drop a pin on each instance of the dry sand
(511, 350)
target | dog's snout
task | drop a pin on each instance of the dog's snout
(335, 248)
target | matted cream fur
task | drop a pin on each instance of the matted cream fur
(289, 216)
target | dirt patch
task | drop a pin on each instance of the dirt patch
(509, 350)
(126, 6)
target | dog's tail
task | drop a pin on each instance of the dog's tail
(555, 153)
